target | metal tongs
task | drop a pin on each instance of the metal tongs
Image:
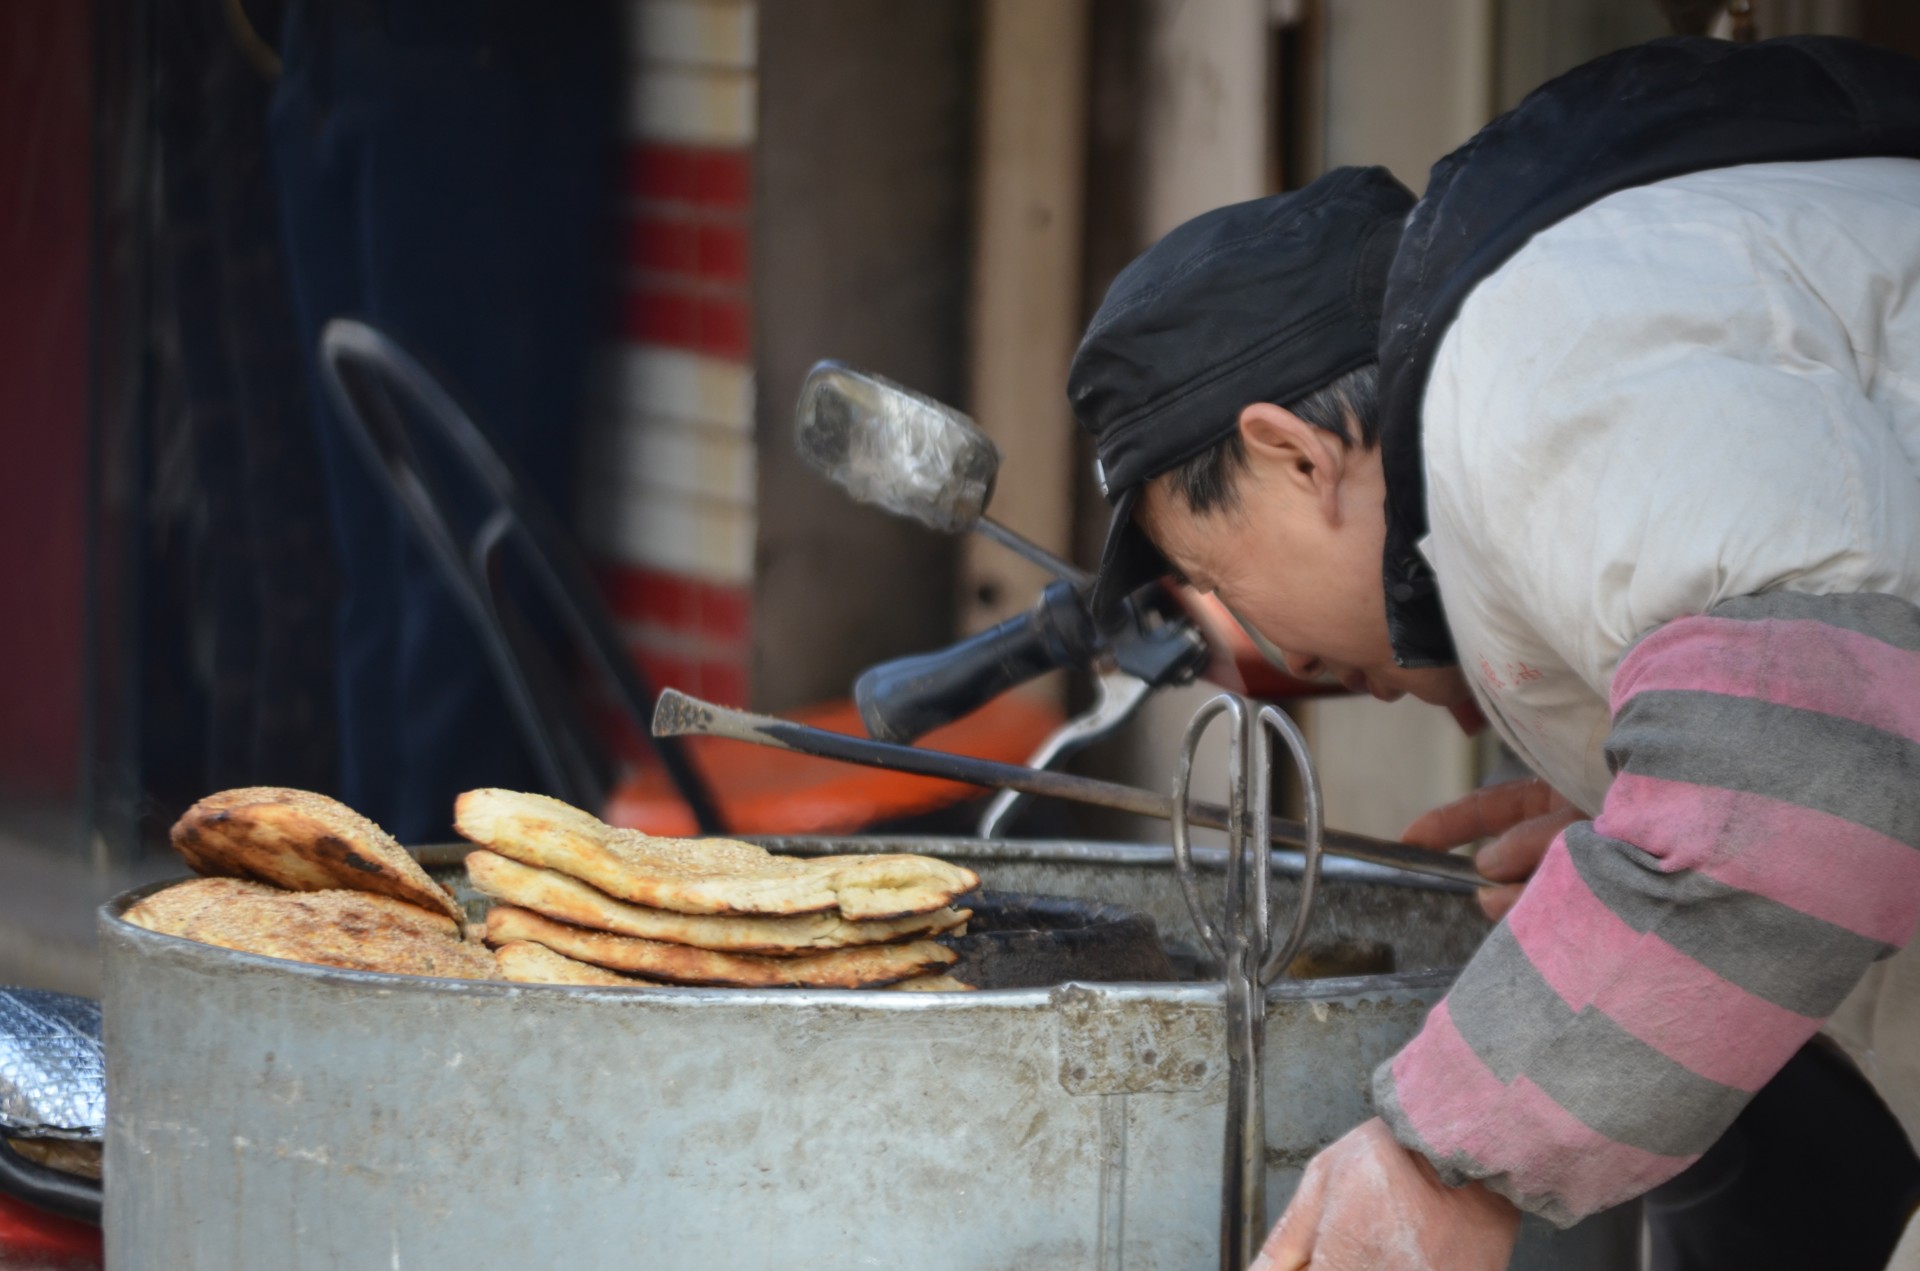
(1242, 942)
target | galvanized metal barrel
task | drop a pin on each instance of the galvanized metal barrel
(269, 1114)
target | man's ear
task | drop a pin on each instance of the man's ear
(1284, 447)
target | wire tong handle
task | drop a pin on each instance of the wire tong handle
(1242, 942)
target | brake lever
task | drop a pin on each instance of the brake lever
(1154, 648)
(1120, 694)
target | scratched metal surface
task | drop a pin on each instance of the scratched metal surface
(274, 1114)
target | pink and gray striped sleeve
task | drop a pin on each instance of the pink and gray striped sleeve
(1759, 849)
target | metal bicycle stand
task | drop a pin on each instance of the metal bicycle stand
(1242, 942)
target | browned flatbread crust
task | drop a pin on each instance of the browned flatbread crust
(703, 876)
(351, 929)
(303, 842)
(565, 899)
(66, 1155)
(524, 962)
(931, 984)
(678, 964)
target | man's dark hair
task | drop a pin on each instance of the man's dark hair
(1206, 481)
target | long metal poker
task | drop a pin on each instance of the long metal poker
(679, 715)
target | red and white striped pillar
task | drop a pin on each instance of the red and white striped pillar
(667, 491)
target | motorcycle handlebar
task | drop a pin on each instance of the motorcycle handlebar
(904, 699)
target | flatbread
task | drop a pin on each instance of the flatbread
(351, 929)
(557, 896)
(931, 984)
(524, 962)
(703, 876)
(678, 964)
(69, 1156)
(303, 842)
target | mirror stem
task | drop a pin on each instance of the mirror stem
(1020, 545)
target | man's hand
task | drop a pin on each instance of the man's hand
(1525, 815)
(1368, 1204)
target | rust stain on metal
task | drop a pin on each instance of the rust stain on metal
(1107, 1047)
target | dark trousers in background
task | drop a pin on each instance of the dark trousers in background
(1815, 1173)
(444, 170)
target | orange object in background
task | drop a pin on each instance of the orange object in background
(761, 790)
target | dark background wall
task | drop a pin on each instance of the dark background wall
(45, 80)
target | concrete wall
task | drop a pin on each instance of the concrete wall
(1025, 312)
(863, 189)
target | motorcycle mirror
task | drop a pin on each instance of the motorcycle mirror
(895, 448)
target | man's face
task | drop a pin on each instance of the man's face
(1297, 555)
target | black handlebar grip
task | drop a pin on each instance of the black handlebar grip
(908, 697)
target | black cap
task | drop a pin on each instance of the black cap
(1263, 301)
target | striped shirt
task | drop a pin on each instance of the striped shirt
(1674, 478)
(1755, 855)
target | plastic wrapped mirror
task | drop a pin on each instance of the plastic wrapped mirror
(895, 448)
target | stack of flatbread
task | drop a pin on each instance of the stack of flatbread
(296, 875)
(580, 902)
